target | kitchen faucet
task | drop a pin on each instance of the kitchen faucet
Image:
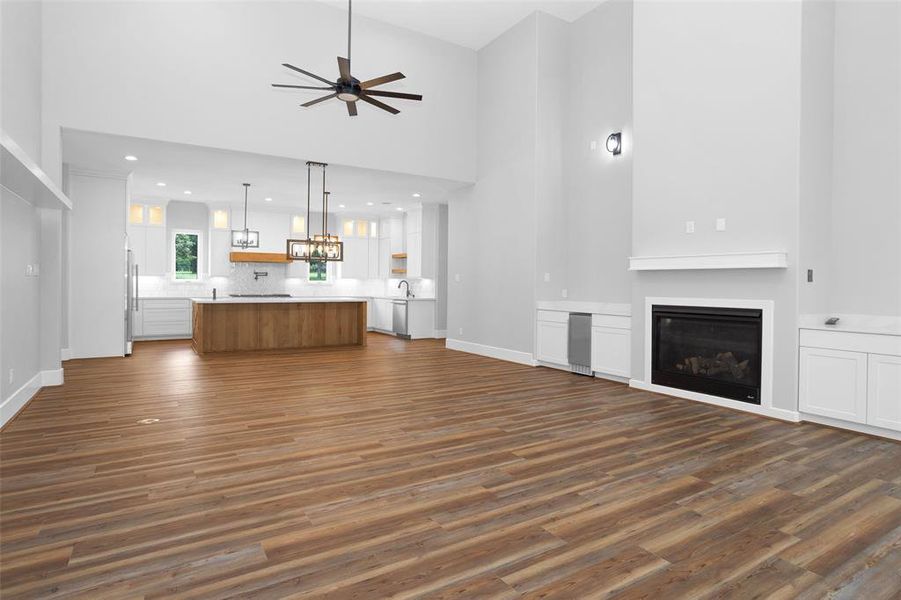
(409, 293)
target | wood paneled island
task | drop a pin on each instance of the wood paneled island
(241, 324)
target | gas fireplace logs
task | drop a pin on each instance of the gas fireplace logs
(724, 362)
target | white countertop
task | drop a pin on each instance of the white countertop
(882, 325)
(595, 308)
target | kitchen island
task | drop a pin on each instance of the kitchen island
(241, 324)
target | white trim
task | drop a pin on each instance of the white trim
(65, 354)
(730, 260)
(515, 356)
(595, 308)
(858, 427)
(767, 360)
(439, 334)
(16, 401)
(170, 248)
(115, 175)
(610, 377)
(24, 168)
(541, 363)
(766, 411)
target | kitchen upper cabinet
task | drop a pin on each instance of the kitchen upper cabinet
(147, 237)
(884, 391)
(373, 258)
(356, 258)
(422, 241)
(833, 383)
(220, 247)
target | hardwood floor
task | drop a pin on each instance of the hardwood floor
(404, 469)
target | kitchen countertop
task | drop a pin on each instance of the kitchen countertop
(877, 324)
(595, 308)
(277, 300)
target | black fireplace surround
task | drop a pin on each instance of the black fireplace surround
(715, 351)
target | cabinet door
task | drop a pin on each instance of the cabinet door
(884, 391)
(137, 242)
(611, 350)
(356, 258)
(384, 258)
(156, 262)
(414, 254)
(373, 271)
(397, 235)
(552, 342)
(833, 383)
(220, 247)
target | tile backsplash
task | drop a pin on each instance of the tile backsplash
(241, 281)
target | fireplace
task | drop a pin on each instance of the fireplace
(711, 350)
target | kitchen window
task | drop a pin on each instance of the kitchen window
(186, 255)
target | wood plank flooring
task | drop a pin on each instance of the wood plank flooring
(402, 469)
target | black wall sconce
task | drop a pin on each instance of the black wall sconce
(615, 143)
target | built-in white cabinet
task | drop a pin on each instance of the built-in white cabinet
(884, 391)
(611, 348)
(381, 316)
(853, 377)
(162, 318)
(833, 383)
(361, 243)
(421, 244)
(146, 231)
(552, 337)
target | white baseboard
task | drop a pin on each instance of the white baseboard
(18, 399)
(515, 356)
(616, 378)
(766, 411)
(65, 354)
(440, 334)
(858, 427)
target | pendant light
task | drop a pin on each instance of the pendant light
(245, 238)
(321, 247)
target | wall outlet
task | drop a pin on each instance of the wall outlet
(12, 375)
(689, 226)
(809, 275)
(547, 277)
(721, 224)
(457, 277)
(564, 293)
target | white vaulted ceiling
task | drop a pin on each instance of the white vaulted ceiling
(468, 23)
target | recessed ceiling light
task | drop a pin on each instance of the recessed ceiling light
(400, 209)
(369, 204)
(187, 192)
(131, 157)
(268, 199)
(340, 206)
(417, 195)
(161, 184)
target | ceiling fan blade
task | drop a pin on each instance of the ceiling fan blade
(300, 87)
(344, 68)
(393, 95)
(381, 80)
(307, 73)
(352, 109)
(318, 100)
(381, 105)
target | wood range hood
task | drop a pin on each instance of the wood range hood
(259, 257)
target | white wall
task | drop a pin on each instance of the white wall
(866, 205)
(200, 73)
(492, 228)
(717, 119)
(20, 77)
(97, 264)
(598, 201)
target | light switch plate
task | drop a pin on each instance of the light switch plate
(547, 277)
(457, 277)
(689, 226)
(721, 224)
(564, 292)
(594, 144)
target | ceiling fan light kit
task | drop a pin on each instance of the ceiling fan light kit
(348, 88)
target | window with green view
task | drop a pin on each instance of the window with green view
(186, 252)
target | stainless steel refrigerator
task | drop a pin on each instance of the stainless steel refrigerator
(131, 296)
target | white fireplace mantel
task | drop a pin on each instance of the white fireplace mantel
(732, 260)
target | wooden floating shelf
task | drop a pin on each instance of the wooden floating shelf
(399, 271)
(399, 255)
(258, 257)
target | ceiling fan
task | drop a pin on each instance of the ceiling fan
(347, 87)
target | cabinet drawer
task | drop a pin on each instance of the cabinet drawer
(614, 321)
(553, 316)
(856, 342)
(163, 315)
(833, 383)
(167, 328)
(158, 303)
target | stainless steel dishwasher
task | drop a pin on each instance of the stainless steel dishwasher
(399, 318)
(580, 343)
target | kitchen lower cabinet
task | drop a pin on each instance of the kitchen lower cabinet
(163, 318)
(552, 337)
(381, 315)
(884, 391)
